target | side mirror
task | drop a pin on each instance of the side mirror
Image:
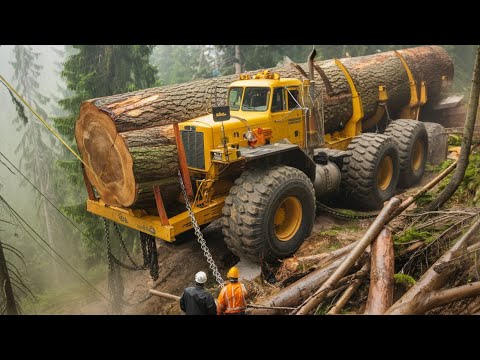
(221, 113)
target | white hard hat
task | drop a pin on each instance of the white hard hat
(201, 277)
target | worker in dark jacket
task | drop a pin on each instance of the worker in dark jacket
(196, 300)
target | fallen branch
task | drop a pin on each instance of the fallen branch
(270, 307)
(293, 264)
(431, 281)
(469, 250)
(164, 295)
(295, 293)
(382, 269)
(310, 304)
(359, 278)
(411, 199)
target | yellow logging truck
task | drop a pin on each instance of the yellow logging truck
(261, 162)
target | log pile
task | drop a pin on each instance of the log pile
(128, 142)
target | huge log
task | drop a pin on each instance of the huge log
(126, 165)
(104, 125)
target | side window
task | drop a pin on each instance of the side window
(278, 101)
(292, 99)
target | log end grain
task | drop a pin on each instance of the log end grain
(96, 135)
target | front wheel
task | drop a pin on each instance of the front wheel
(268, 212)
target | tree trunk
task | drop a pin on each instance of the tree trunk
(298, 291)
(382, 269)
(101, 120)
(309, 305)
(238, 64)
(410, 302)
(466, 140)
(6, 286)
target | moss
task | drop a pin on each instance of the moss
(330, 232)
(403, 279)
(425, 199)
(411, 235)
(454, 140)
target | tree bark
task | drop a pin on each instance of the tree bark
(435, 299)
(238, 63)
(164, 295)
(431, 281)
(372, 232)
(319, 260)
(466, 140)
(102, 120)
(382, 269)
(127, 165)
(6, 285)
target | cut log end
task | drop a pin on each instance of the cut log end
(113, 177)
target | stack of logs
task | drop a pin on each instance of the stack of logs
(127, 139)
(372, 257)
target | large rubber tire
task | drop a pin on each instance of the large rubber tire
(437, 143)
(412, 141)
(250, 210)
(360, 172)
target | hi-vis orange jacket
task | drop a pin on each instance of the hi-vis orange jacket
(232, 299)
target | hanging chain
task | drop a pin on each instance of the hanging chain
(125, 250)
(150, 255)
(115, 283)
(200, 239)
(343, 215)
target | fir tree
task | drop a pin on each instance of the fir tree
(94, 71)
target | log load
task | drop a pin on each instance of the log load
(128, 142)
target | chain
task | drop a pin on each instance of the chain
(200, 239)
(125, 250)
(343, 215)
(150, 255)
(115, 283)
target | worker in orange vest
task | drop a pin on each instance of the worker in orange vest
(231, 300)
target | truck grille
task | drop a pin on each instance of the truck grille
(193, 144)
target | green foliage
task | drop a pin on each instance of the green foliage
(92, 71)
(412, 235)
(425, 199)
(404, 279)
(454, 140)
(468, 192)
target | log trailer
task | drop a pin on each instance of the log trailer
(260, 163)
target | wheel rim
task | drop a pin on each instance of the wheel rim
(385, 173)
(288, 218)
(417, 156)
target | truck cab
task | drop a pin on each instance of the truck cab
(264, 109)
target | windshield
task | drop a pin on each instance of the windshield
(256, 99)
(235, 98)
